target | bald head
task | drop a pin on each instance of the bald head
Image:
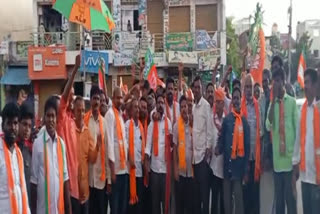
(117, 97)
(248, 86)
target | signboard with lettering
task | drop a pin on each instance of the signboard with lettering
(176, 57)
(203, 40)
(124, 45)
(90, 61)
(47, 63)
(179, 41)
(160, 59)
(18, 54)
(4, 47)
(116, 13)
(208, 59)
(178, 2)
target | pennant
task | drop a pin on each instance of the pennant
(101, 76)
(301, 68)
(150, 71)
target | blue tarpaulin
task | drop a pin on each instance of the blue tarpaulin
(16, 76)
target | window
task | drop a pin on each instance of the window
(316, 53)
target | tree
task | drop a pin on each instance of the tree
(233, 49)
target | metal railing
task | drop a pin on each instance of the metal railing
(72, 40)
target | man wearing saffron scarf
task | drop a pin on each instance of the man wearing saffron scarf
(99, 174)
(49, 173)
(203, 137)
(216, 163)
(182, 157)
(136, 140)
(235, 148)
(117, 147)
(282, 122)
(251, 110)
(172, 107)
(66, 128)
(158, 152)
(13, 193)
(307, 147)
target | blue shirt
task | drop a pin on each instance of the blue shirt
(233, 169)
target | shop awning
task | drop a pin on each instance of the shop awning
(16, 76)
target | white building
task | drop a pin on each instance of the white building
(312, 27)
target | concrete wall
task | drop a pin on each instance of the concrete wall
(16, 19)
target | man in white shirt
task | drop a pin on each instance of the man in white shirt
(309, 162)
(135, 131)
(117, 149)
(216, 164)
(97, 178)
(49, 173)
(203, 137)
(13, 190)
(182, 139)
(172, 107)
(157, 149)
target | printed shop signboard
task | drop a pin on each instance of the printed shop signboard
(190, 58)
(179, 41)
(47, 63)
(91, 61)
(208, 59)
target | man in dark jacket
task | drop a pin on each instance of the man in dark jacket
(235, 148)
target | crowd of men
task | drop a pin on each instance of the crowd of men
(165, 152)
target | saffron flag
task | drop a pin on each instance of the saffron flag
(101, 76)
(150, 71)
(124, 88)
(301, 68)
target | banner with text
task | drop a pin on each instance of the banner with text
(208, 59)
(203, 40)
(190, 58)
(47, 63)
(90, 61)
(179, 41)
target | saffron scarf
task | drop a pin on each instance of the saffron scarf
(12, 196)
(120, 139)
(132, 171)
(182, 144)
(173, 120)
(47, 175)
(167, 156)
(102, 148)
(316, 134)
(238, 137)
(257, 170)
(282, 132)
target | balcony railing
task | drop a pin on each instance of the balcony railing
(73, 40)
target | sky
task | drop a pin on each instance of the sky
(275, 12)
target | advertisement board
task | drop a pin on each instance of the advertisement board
(47, 63)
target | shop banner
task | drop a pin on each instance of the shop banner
(208, 59)
(142, 11)
(47, 63)
(125, 45)
(91, 60)
(160, 59)
(179, 41)
(116, 10)
(203, 40)
(179, 2)
(176, 57)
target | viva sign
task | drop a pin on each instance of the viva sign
(90, 61)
